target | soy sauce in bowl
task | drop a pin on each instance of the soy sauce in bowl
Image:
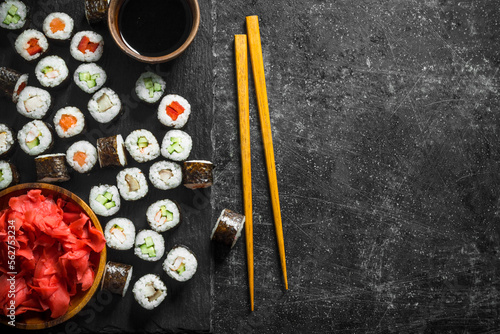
(155, 28)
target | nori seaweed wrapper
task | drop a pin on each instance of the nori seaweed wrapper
(96, 10)
(10, 150)
(107, 152)
(15, 175)
(8, 81)
(228, 226)
(115, 277)
(51, 168)
(197, 174)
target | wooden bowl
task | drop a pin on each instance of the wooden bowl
(37, 320)
(114, 29)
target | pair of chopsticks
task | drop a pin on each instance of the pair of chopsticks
(254, 44)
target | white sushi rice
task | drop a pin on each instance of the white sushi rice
(73, 130)
(142, 154)
(88, 56)
(144, 93)
(174, 141)
(165, 119)
(22, 45)
(61, 35)
(35, 130)
(157, 221)
(165, 175)
(104, 105)
(22, 80)
(90, 152)
(121, 237)
(178, 256)
(33, 102)
(132, 184)
(7, 174)
(22, 11)
(55, 77)
(6, 139)
(94, 71)
(158, 244)
(98, 207)
(149, 291)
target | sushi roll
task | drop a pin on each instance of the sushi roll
(8, 175)
(35, 138)
(120, 233)
(51, 168)
(87, 46)
(13, 14)
(34, 102)
(163, 215)
(58, 26)
(181, 263)
(51, 71)
(228, 228)
(31, 44)
(116, 277)
(174, 111)
(104, 200)
(149, 245)
(96, 10)
(150, 87)
(197, 174)
(149, 291)
(132, 184)
(165, 175)
(104, 105)
(12, 83)
(142, 145)
(89, 77)
(7, 140)
(69, 122)
(176, 145)
(81, 156)
(110, 152)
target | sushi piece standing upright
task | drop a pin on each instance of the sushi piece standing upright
(174, 111)
(35, 138)
(87, 46)
(120, 233)
(163, 215)
(149, 291)
(142, 145)
(165, 175)
(181, 263)
(176, 145)
(89, 77)
(150, 87)
(69, 122)
(104, 200)
(132, 184)
(228, 228)
(51, 71)
(31, 44)
(197, 174)
(51, 168)
(7, 140)
(12, 83)
(96, 10)
(110, 152)
(116, 277)
(13, 14)
(149, 245)
(104, 105)
(81, 156)
(58, 26)
(8, 175)
(34, 102)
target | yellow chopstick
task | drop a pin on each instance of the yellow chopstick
(240, 45)
(255, 46)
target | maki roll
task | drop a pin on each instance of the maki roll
(34, 102)
(228, 228)
(132, 184)
(87, 46)
(174, 111)
(142, 145)
(35, 138)
(89, 77)
(104, 105)
(31, 44)
(176, 145)
(51, 168)
(96, 10)
(8, 175)
(197, 174)
(58, 26)
(69, 122)
(7, 140)
(181, 263)
(120, 233)
(150, 87)
(81, 156)
(110, 152)
(149, 291)
(165, 175)
(163, 215)
(51, 71)
(13, 14)
(12, 83)
(116, 277)
(104, 200)
(149, 245)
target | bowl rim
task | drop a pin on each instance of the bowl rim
(113, 12)
(102, 256)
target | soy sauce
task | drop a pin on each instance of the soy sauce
(155, 28)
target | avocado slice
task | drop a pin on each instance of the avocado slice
(47, 69)
(142, 142)
(181, 269)
(118, 227)
(35, 142)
